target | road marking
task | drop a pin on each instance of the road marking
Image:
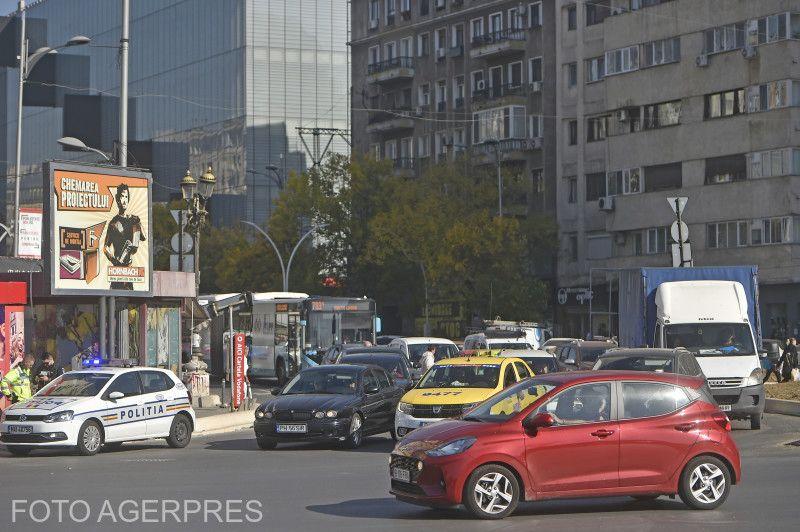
(149, 460)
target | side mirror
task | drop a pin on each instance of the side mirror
(371, 390)
(276, 391)
(116, 395)
(541, 420)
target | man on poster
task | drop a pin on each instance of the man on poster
(123, 236)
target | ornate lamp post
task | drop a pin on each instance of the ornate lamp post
(196, 195)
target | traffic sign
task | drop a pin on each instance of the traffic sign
(176, 242)
(677, 203)
(679, 232)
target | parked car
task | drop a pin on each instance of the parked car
(335, 352)
(491, 340)
(554, 343)
(582, 354)
(453, 386)
(415, 346)
(386, 339)
(336, 403)
(393, 361)
(538, 360)
(570, 435)
(644, 359)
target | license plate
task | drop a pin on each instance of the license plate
(295, 429)
(20, 429)
(403, 475)
(725, 408)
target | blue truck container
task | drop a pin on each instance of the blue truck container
(637, 297)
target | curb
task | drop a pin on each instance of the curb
(228, 422)
(782, 406)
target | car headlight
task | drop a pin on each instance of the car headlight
(259, 414)
(755, 378)
(58, 417)
(268, 414)
(319, 415)
(453, 447)
(331, 413)
(405, 408)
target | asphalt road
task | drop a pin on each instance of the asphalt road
(311, 487)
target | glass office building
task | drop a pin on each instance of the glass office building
(221, 82)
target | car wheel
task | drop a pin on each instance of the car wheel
(280, 372)
(90, 438)
(755, 422)
(705, 483)
(491, 492)
(113, 446)
(353, 440)
(19, 450)
(180, 433)
(266, 444)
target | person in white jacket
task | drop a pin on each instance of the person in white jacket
(427, 359)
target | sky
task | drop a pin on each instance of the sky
(7, 6)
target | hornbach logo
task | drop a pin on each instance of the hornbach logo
(141, 411)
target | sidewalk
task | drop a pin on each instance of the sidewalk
(219, 419)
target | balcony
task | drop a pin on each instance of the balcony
(455, 51)
(389, 120)
(498, 43)
(405, 167)
(395, 69)
(500, 95)
(511, 150)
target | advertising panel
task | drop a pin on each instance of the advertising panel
(30, 233)
(239, 388)
(100, 230)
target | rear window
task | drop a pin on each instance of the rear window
(542, 365)
(638, 363)
(650, 399)
(590, 355)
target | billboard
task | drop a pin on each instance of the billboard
(100, 236)
(30, 233)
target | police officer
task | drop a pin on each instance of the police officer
(16, 385)
(45, 371)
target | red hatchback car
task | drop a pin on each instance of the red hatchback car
(574, 434)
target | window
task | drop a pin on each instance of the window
(509, 377)
(728, 103)
(370, 382)
(440, 41)
(406, 148)
(572, 189)
(650, 399)
(515, 18)
(514, 71)
(661, 114)
(535, 69)
(476, 28)
(535, 14)
(572, 132)
(423, 44)
(458, 91)
(638, 248)
(572, 75)
(406, 47)
(424, 146)
(457, 35)
(424, 7)
(459, 140)
(595, 186)
(405, 6)
(375, 151)
(390, 50)
(661, 52)
(727, 234)
(571, 242)
(597, 128)
(776, 230)
(390, 11)
(724, 38)
(155, 381)
(773, 95)
(390, 149)
(127, 383)
(383, 380)
(374, 55)
(622, 60)
(773, 28)
(726, 169)
(424, 92)
(374, 13)
(499, 123)
(585, 403)
(663, 177)
(773, 163)
(572, 18)
(495, 22)
(624, 182)
(523, 371)
(598, 246)
(535, 126)
(595, 69)
(656, 240)
(441, 94)
(596, 13)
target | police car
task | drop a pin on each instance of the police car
(101, 407)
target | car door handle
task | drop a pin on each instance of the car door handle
(684, 427)
(602, 433)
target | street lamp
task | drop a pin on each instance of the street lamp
(196, 195)
(26, 64)
(78, 144)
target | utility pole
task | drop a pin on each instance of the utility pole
(23, 62)
(499, 161)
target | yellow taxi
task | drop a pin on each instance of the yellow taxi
(454, 385)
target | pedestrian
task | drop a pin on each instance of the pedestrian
(428, 358)
(788, 360)
(16, 385)
(45, 371)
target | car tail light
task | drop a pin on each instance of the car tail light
(722, 420)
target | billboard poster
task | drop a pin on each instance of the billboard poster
(238, 381)
(100, 230)
(30, 233)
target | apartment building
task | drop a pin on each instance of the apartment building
(694, 98)
(470, 81)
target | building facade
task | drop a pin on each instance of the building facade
(461, 81)
(221, 82)
(692, 98)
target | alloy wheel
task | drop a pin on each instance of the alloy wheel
(91, 438)
(493, 493)
(707, 483)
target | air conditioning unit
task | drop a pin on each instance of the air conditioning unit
(606, 203)
(373, 24)
(481, 85)
(441, 53)
(536, 86)
(623, 115)
(701, 60)
(749, 51)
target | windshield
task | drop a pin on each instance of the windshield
(393, 365)
(339, 382)
(637, 363)
(415, 352)
(541, 365)
(510, 402)
(590, 355)
(462, 376)
(709, 339)
(509, 345)
(76, 385)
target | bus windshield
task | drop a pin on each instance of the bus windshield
(711, 339)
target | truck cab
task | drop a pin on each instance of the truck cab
(710, 319)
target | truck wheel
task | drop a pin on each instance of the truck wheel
(755, 422)
(280, 372)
